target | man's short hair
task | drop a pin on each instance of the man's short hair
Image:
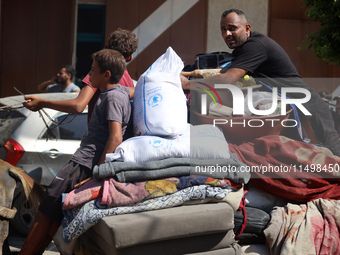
(237, 11)
(70, 70)
(110, 60)
(123, 41)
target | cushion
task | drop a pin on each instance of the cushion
(188, 245)
(126, 230)
(233, 249)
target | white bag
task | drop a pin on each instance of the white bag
(200, 142)
(159, 106)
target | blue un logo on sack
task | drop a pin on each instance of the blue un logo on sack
(156, 143)
(155, 100)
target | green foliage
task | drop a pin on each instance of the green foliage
(325, 42)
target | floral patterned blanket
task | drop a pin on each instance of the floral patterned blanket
(312, 228)
(113, 193)
(122, 198)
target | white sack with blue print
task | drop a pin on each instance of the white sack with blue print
(197, 142)
(159, 107)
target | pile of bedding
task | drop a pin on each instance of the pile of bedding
(86, 205)
(303, 181)
(168, 163)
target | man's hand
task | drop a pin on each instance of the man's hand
(185, 83)
(33, 103)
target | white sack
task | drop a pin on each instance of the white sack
(159, 101)
(201, 142)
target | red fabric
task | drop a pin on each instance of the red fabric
(245, 218)
(124, 81)
(280, 151)
(86, 80)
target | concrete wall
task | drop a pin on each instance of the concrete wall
(255, 10)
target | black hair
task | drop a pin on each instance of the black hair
(237, 11)
(70, 70)
(124, 41)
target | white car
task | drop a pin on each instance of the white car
(38, 148)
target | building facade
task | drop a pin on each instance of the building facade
(39, 36)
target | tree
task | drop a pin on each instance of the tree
(325, 42)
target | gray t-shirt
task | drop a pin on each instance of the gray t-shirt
(113, 105)
(59, 88)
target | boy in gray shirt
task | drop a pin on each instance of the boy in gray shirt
(105, 132)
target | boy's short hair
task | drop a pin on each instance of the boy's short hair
(123, 41)
(110, 60)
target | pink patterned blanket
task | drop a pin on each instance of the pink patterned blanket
(113, 193)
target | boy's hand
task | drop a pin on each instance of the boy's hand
(32, 103)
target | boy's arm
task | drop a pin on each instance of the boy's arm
(76, 105)
(132, 92)
(115, 138)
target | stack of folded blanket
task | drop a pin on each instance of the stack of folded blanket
(121, 187)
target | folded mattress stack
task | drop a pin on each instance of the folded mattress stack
(188, 229)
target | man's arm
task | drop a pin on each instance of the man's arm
(76, 91)
(115, 138)
(230, 77)
(42, 86)
(76, 105)
(232, 74)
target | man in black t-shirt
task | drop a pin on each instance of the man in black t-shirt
(258, 55)
(336, 114)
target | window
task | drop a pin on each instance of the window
(70, 129)
(90, 37)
